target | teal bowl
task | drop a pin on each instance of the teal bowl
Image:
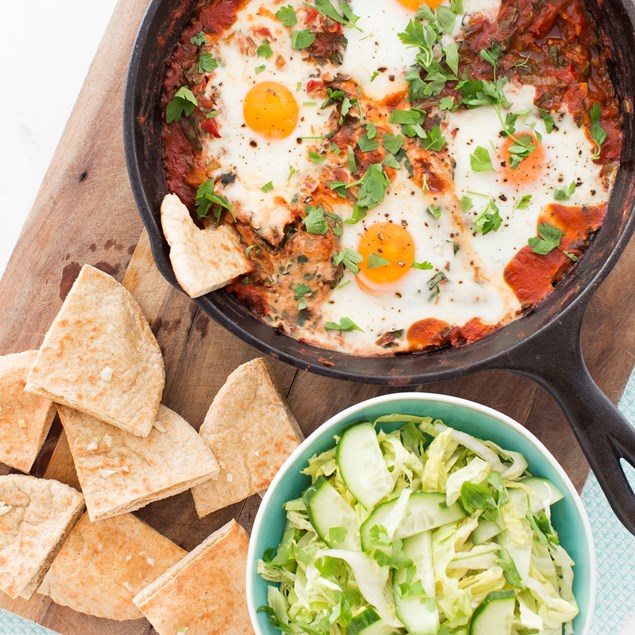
(568, 516)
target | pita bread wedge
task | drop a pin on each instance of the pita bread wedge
(119, 472)
(36, 514)
(251, 432)
(25, 419)
(203, 259)
(203, 594)
(100, 356)
(103, 565)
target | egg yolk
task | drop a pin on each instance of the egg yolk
(271, 110)
(530, 168)
(388, 251)
(414, 5)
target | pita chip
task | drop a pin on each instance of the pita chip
(251, 432)
(203, 594)
(36, 514)
(25, 419)
(120, 473)
(103, 565)
(100, 356)
(203, 259)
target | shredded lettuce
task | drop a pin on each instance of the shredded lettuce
(449, 567)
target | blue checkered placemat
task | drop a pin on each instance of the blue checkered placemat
(614, 545)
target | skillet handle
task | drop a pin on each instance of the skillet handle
(603, 433)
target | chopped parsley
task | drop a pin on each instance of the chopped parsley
(547, 240)
(466, 204)
(410, 121)
(547, 120)
(433, 283)
(207, 63)
(349, 258)
(316, 157)
(373, 186)
(287, 16)
(571, 256)
(344, 325)
(480, 160)
(598, 134)
(302, 39)
(434, 211)
(522, 147)
(350, 159)
(207, 199)
(314, 220)
(300, 291)
(565, 193)
(446, 103)
(368, 143)
(434, 140)
(375, 260)
(264, 50)
(267, 187)
(489, 220)
(260, 69)
(523, 203)
(393, 142)
(344, 16)
(423, 266)
(183, 103)
(199, 39)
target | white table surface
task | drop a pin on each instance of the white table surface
(45, 51)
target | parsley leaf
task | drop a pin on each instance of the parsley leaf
(491, 55)
(264, 50)
(566, 193)
(199, 39)
(346, 17)
(548, 120)
(434, 211)
(598, 134)
(302, 39)
(435, 140)
(207, 63)
(571, 256)
(368, 143)
(349, 258)
(183, 103)
(267, 187)
(480, 92)
(260, 69)
(373, 187)
(446, 18)
(410, 121)
(350, 159)
(490, 220)
(522, 147)
(358, 214)
(316, 157)
(344, 325)
(446, 103)
(287, 16)
(393, 142)
(523, 203)
(300, 291)
(466, 204)
(314, 220)
(375, 260)
(207, 199)
(423, 266)
(480, 160)
(549, 239)
(452, 57)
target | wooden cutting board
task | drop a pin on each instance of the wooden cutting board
(85, 213)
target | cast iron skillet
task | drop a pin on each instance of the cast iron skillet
(544, 345)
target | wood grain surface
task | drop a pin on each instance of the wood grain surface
(85, 213)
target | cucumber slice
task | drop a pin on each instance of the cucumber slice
(419, 614)
(425, 510)
(419, 549)
(485, 531)
(334, 519)
(494, 615)
(362, 465)
(545, 493)
(368, 623)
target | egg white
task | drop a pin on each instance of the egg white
(568, 157)
(255, 159)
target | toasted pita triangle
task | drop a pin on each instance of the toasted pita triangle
(205, 592)
(25, 419)
(119, 472)
(103, 565)
(100, 356)
(35, 516)
(203, 259)
(251, 431)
